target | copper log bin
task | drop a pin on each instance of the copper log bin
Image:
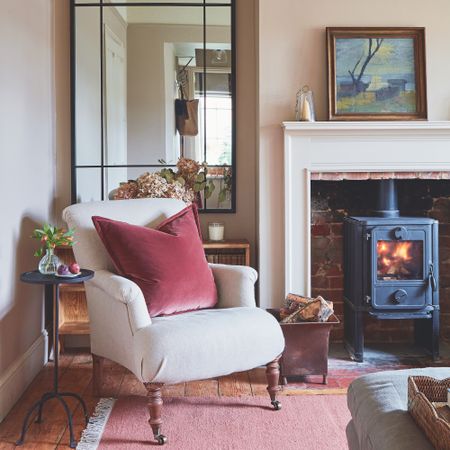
(306, 351)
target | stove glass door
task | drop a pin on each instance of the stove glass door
(399, 260)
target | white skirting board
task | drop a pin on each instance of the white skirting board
(21, 373)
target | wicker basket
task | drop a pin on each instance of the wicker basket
(424, 394)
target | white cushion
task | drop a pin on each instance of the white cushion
(208, 343)
(235, 285)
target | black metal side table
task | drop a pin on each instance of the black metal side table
(52, 283)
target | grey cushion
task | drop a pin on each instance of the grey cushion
(378, 404)
(352, 437)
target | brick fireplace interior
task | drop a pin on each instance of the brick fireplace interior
(337, 195)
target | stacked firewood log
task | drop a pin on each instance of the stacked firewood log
(305, 309)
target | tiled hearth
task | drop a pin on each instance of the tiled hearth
(378, 357)
(347, 195)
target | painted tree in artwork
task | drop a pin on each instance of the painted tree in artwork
(374, 47)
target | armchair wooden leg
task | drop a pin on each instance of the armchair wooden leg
(273, 376)
(97, 378)
(155, 404)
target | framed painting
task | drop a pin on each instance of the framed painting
(376, 74)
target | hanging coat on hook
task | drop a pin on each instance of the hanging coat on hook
(186, 112)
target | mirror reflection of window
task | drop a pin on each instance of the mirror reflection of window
(215, 113)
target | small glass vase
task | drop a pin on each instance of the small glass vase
(49, 263)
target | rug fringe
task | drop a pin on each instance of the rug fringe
(92, 434)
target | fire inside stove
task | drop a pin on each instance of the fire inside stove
(399, 260)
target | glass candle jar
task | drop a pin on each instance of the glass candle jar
(304, 106)
(216, 231)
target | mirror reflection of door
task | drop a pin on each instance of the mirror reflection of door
(115, 114)
(152, 55)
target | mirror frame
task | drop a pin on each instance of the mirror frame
(105, 3)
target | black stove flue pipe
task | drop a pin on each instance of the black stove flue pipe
(387, 201)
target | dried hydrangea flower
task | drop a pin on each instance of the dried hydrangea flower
(159, 185)
(126, 191)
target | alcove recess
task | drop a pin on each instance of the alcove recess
(337, 195)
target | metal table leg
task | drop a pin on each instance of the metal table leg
(39, 405)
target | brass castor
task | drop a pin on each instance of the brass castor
(161, 439)
(276, 405)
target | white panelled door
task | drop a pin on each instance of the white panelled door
(115, 110)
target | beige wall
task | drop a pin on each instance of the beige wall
(243, 223)
(292, 53)
(27, 169)
(62, 104)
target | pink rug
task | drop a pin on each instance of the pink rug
(304, 422)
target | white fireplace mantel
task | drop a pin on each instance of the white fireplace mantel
(348, 147)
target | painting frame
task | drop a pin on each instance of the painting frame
(417, 34)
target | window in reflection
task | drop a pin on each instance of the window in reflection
(215, 116)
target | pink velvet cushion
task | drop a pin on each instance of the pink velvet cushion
(168, 263)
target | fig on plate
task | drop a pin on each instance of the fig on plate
(63, 270)
(74, 268)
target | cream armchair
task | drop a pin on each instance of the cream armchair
(235, 336)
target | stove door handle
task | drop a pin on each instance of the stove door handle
(432, 279)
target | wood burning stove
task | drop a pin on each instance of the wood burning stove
(391, 272)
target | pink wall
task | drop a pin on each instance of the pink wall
(27, 180)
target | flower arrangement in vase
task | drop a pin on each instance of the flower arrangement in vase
(50, 237)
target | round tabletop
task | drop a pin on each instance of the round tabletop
(38, 278)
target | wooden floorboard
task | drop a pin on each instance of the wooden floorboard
(174, 390)
(10, 427)
(235, 385)
(76, 376)
(49, 432)
(131, 386)
(258, 381)
(79, 423)
(204, 388)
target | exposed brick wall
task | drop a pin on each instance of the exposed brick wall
(331, 201)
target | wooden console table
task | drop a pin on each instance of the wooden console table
(234, 252)
(74, 318)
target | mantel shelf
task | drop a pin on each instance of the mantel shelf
(367, 126)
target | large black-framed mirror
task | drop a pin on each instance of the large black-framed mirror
(153, 82)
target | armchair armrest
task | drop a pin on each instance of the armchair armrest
(125, 291)
(235, 285)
